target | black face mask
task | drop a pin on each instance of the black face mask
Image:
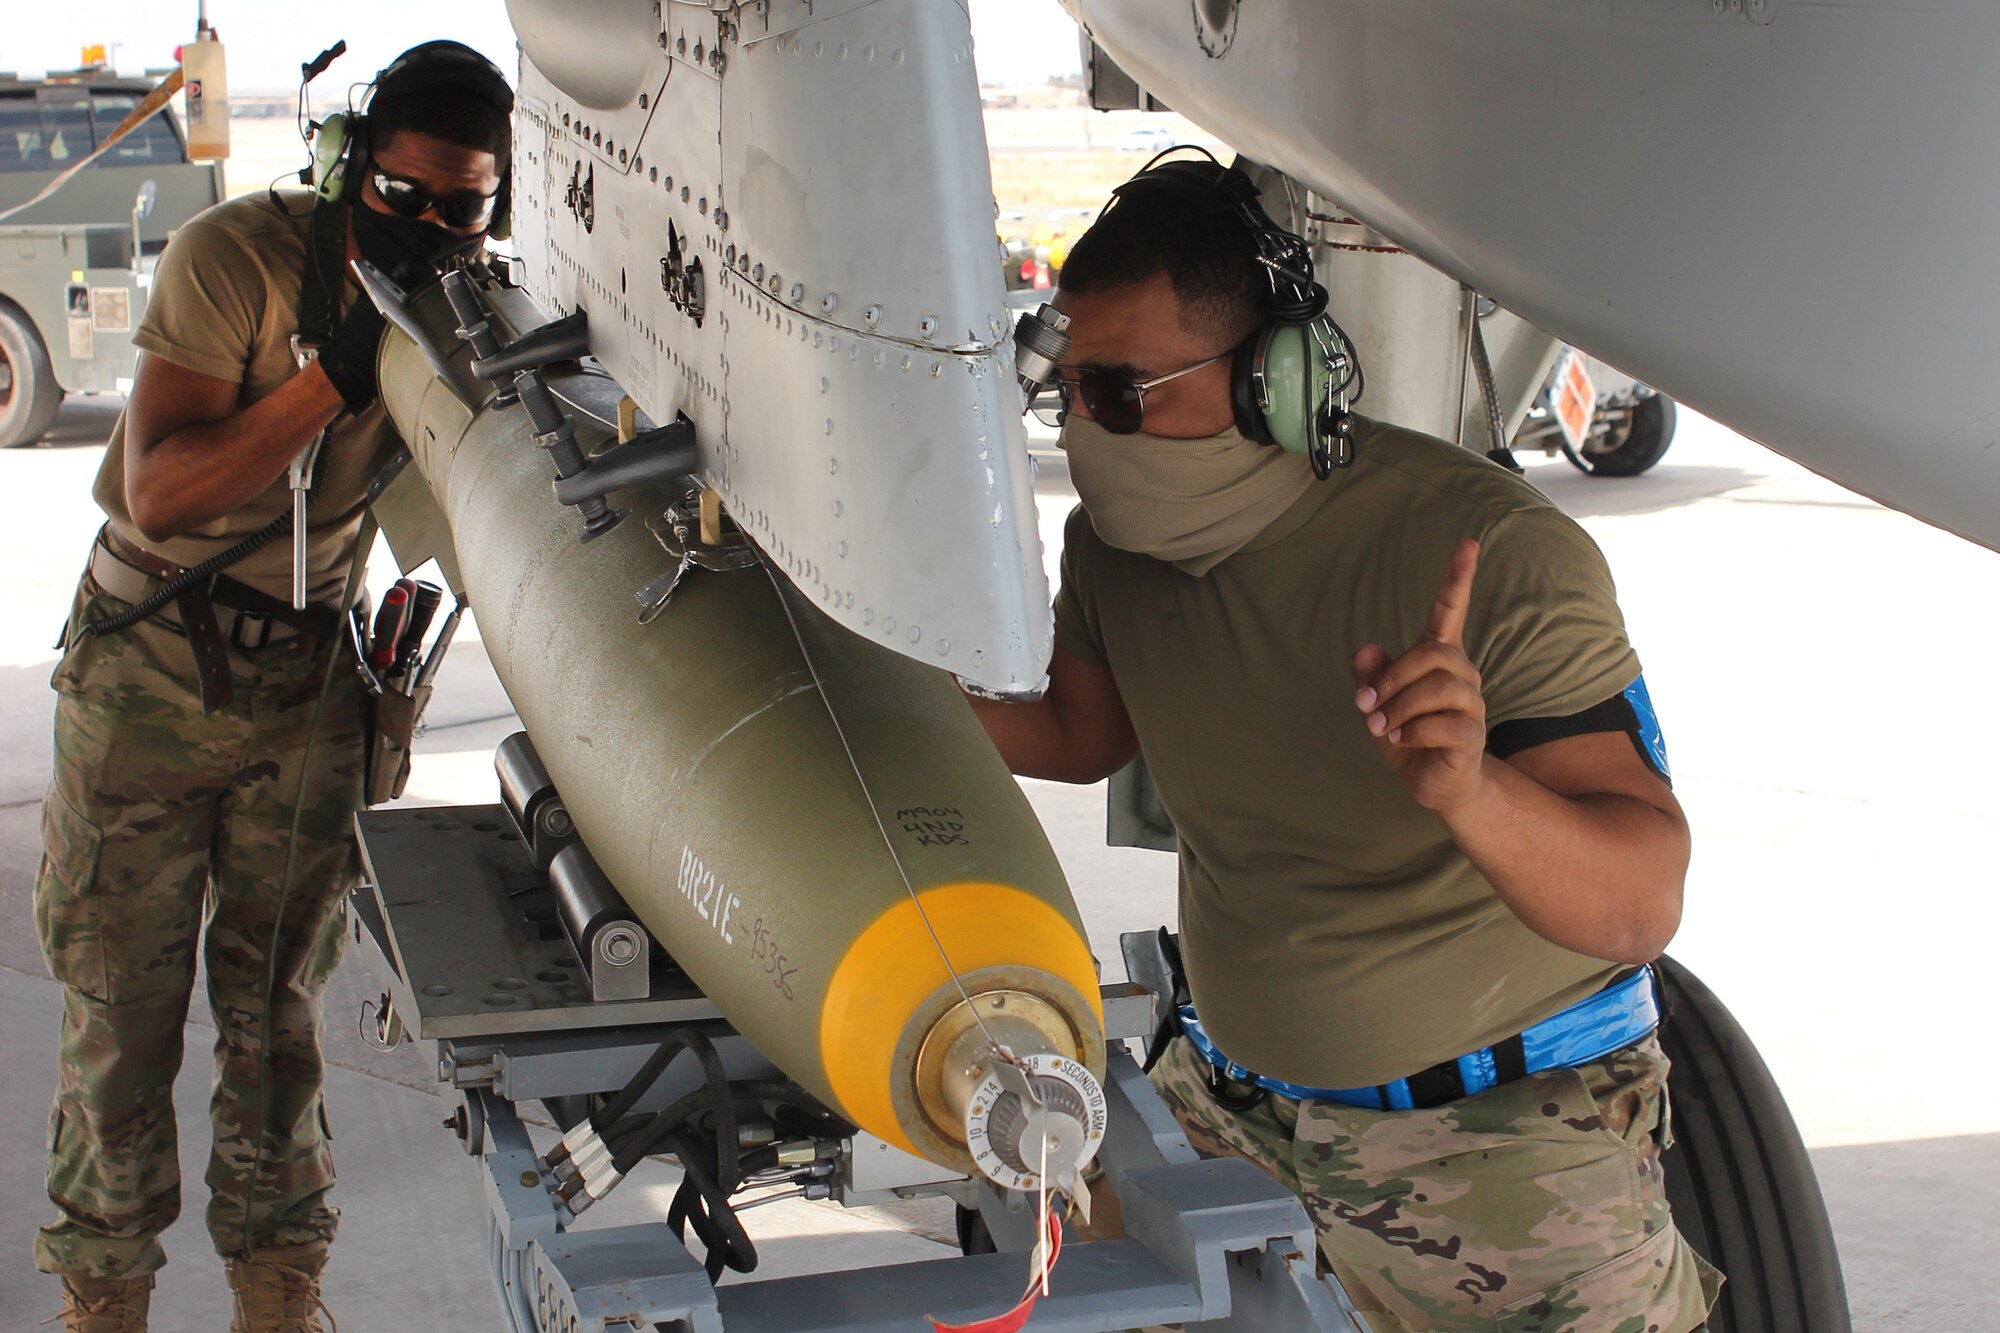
(407, 250)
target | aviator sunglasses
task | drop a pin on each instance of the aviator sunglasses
(1114, 401)
(411, 199)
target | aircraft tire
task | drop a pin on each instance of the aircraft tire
(1646, 441)
(29, 394)
(1738, 1176)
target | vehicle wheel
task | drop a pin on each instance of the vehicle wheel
(1738, 1178)
(29, 394)
(1647, 436)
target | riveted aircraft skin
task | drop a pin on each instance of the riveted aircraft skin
(781, 225)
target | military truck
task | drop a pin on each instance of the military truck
(75, 269)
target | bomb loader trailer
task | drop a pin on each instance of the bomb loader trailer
(1209, 1244)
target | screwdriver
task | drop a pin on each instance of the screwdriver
(389, 623)
(436, 656)
(424, 601)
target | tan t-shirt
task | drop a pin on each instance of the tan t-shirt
(1334, 934)
(225, 302)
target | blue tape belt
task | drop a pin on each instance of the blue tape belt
(1590, 1029)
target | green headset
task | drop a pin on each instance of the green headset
(340, 142)
(1293, 380)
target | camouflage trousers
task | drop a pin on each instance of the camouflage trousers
(1535, 1207)
(165, 832)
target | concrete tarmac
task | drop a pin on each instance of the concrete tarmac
(1820, 667)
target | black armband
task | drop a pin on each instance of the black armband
(1630, 711)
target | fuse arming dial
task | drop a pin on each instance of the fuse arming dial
(1011, 1137)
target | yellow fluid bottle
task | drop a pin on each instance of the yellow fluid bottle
(205, 80)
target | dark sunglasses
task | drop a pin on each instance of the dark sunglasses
(411, 199)
(1114, 401)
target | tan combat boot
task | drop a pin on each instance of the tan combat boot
(105, 1304)
(277, 1291)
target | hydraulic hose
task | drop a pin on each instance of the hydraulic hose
(1482, 366)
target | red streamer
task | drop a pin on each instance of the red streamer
(1014, 1319)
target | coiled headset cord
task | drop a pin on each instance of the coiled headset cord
(172, 588)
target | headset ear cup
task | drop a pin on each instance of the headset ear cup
(340, 154)
(329, 154)
(1295, 380)
(1243, 386)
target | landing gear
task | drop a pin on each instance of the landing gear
(1626, 438)
(1605, 423)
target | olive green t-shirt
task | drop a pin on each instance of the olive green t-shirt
(225, 303)
(1334, 934)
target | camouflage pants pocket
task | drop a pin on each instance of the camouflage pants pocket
(75, 649)
(126, 829)
(1623, 1295)
(1257, 1133)
(68, 919)
(150, 653)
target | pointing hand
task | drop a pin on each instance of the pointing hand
(1425, 709)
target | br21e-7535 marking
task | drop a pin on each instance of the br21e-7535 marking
(713, 903)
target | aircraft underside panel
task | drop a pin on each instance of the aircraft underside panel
(785, 231)
(1779, 213)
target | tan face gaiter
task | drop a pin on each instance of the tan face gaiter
(1191, 502)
